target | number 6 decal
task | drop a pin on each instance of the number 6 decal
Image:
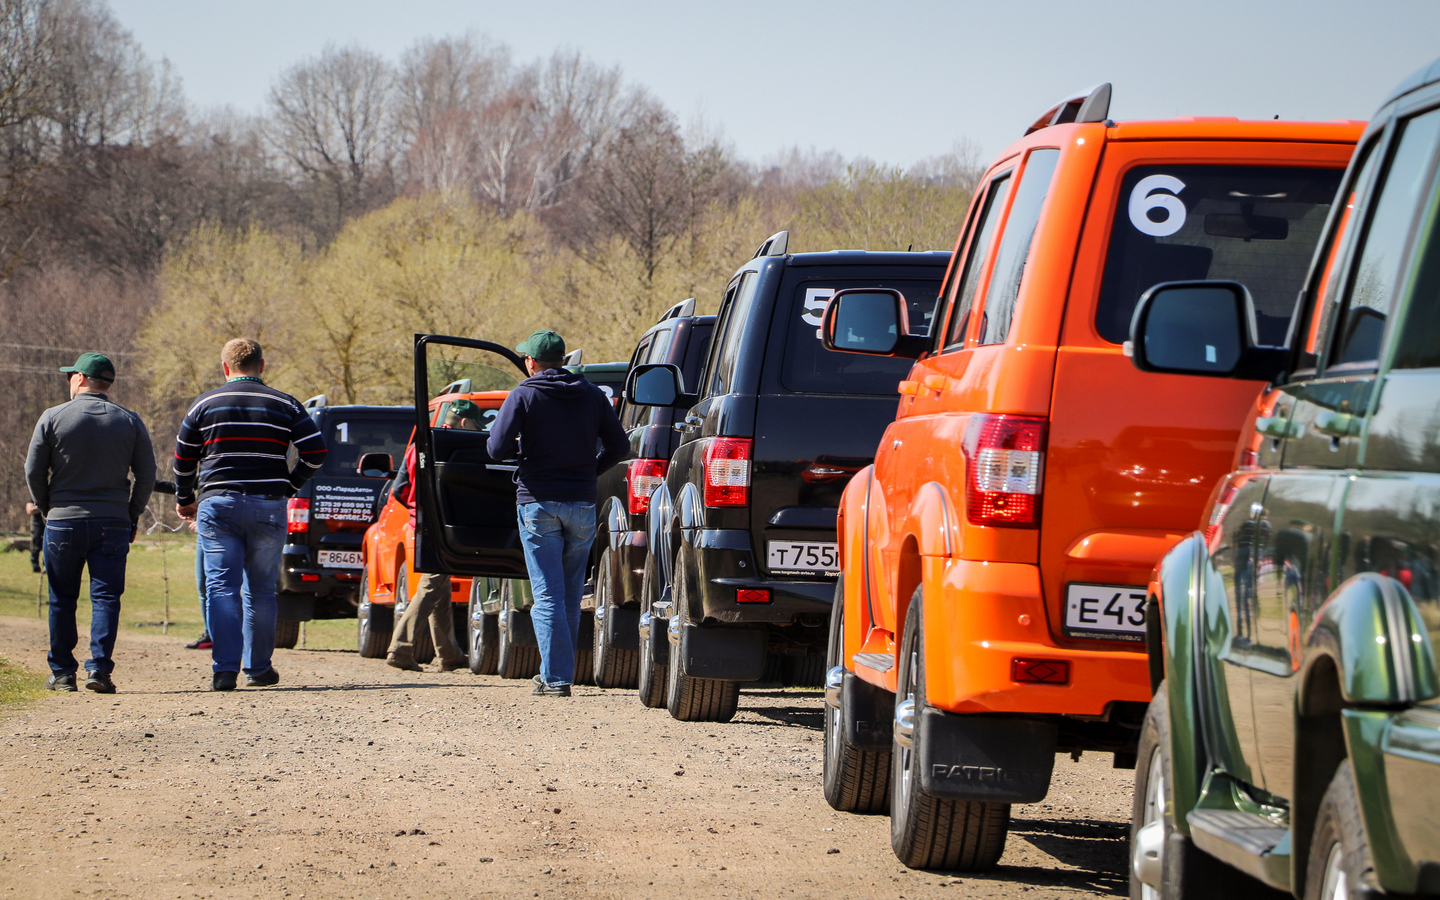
(1144, 198)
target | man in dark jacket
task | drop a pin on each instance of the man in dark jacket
(553, 422)
(79, 470)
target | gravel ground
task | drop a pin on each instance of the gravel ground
(352, 779)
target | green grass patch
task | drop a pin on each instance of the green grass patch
(18, 685)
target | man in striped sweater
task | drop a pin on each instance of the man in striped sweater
(232, 475)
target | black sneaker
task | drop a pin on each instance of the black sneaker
(223, 681)
(266, 678)
(203, 642)
(549, 690)
(100, 683)
(60, 683)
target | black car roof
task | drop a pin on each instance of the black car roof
(939, 258)
(354, 408)
(1425, 75)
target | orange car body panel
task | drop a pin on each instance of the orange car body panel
(1131, 458)
(390, 542)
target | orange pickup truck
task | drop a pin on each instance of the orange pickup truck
(991, 610)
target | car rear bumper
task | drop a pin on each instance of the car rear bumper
(725, 565)
(991, 614)
(297, 580)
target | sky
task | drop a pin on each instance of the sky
(895, 82)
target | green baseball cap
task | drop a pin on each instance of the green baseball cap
(92, 365)
(465, 410)
(546, 346)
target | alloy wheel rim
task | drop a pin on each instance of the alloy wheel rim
(1336, 885)
(906, 753)
(1154, 811)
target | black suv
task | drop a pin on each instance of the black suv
(681, 339)
(743, 554)
(320, 566)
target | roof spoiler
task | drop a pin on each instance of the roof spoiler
(574, 356)
(774, 245)
(682, 310)
(455, 387)
(1089, 105)
(317, 402)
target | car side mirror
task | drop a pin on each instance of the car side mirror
(874, 321)
(376, 465)
(1201, 328)
(657, 384)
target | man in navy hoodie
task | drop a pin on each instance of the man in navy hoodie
(565, 433)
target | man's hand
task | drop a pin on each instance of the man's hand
(31, 509)
(187, 511)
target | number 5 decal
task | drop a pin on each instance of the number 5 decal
(1145, 198)
(816, 300)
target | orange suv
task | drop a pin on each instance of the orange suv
(995, 557)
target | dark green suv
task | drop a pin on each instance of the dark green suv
(1294, 737)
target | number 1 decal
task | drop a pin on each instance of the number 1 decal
(1145, 198)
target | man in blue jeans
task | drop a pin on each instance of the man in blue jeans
(232, 477)
(78, 469)
(554, 421)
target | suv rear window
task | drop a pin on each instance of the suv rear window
(347, 438)
(1257, 225)
(811, 369)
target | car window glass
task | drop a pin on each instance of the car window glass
(975, 260)
(1377, 269)
(630, 414)
(728, 351)
(347, 439)
(1329, 277)
(1418, 345)
(809, 368)
(1257, 225)
(1015, 243)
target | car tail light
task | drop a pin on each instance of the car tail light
(1004, 469)
(727, 471)
(641, 479)
(309, 577)
(1040, 671)
(752, 595)
(297, 515)
(1217, 512)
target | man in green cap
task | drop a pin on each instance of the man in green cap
(554, 421)
(79, 469)
(431, 601)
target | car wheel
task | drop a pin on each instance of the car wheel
(652, 677)
(1165, 864)
(513, 661)
(1340, 864)
(855, 779)
(934, 832)
(287, 633)
(373, 623)
(694, 699)
(803, 670)
(585, 649)
(484, 635)
(614, 667)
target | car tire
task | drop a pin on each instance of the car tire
(612, 667)
(1340, 867)
(513, 661)
(484, 639)
(803, 670)
(287, 633)
(855, 779)
(935, 832)
(774, 671)
(373, 623)
(694, 699)
(585, 649)
(652, 679)
(1185, 871)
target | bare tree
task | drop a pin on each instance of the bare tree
(961, 167)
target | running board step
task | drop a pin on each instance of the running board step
(1253, 844)
(880, 662)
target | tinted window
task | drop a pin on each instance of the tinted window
(975, 261)
(1328, 282)
(736, 312)
(349, 438)
(1251, 224)
(1419, 340)
(630, 414)
(1014, 249)
(1377, 270)
(809, 368)
(487, 416)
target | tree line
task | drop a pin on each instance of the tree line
(455, 189)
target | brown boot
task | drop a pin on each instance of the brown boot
(408, 665)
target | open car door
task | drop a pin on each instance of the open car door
(465, 520)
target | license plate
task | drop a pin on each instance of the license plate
(1111, 611)
(341, 559)
(803, 556)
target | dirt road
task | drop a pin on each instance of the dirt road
(352, 779)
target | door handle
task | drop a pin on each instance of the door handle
(1277, 427)
(691, 423)
(1338, 424)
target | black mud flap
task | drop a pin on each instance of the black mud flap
(522, 629)
(727, 654)
(990, 759)
(868, 713)
(625, 628)
(300, 607)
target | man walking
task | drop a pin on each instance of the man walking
(232, 478)
(79, 469)
(553, 422)
(431, 602)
